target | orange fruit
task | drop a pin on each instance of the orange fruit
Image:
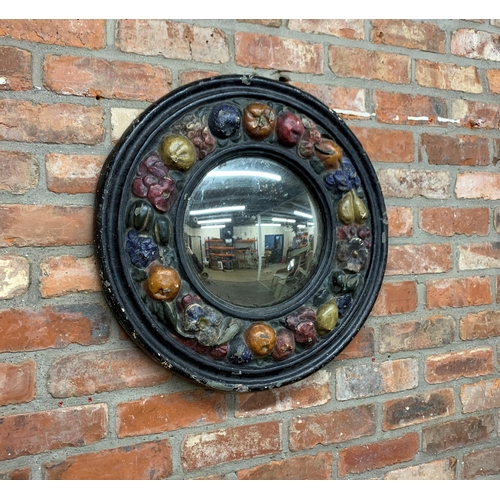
(163, 283)
(260, 338)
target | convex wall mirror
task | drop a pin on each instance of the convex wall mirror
(241, 233)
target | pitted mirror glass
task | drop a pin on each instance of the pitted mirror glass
(253, 232)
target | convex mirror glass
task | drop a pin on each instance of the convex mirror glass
(253, 232)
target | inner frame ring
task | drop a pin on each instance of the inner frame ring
(326, 255)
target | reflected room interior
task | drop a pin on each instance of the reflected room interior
(253, 232)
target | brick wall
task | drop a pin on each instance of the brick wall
(417, 392)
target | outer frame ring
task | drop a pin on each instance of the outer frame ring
(109, 204)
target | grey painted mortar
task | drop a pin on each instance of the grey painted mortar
(39, 195)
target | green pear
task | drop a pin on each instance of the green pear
(345, 209)
(360, 210)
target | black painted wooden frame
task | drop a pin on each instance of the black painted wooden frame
(113, 198)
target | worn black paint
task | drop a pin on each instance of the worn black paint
(111, 209)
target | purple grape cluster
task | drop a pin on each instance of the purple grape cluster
(343, 179)
(142, 251)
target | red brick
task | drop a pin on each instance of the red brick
(53, 327)
(138, 461)
(400, 221)
(331, 428)
(372, 379)
(17, 382)
(167, 412)
(496, 219)
(457, 433)
(45, 225)
(346, 102)
(481, 463)
(309, 467)
(407, 109)
(33, 433)
(419, 259)
(272, 23)
(15, 69)
(435, 331)
(396, 298)
(312, 391)
(483, 395)
(172, 40)
(447, 76)
(123, 335)
(94, 372)
(463, 150)
(255, 50)
(403, 183)
(18, 171)
(72, 174)
(475, 44)
(473, 185)
(458, 292)
(361, 346)
(480, 325)
(475, 115)
(449, 221)
(362, 458)
(60, 123)
(409, 34)
(438, 470)
(186, 77)
(17, 474)
(384, 145)
(353, 29)
(14, 276)
(90, 77)
(350, 62)
(67, 274)
(454, 365)
(493, 76)
(84, 33)
(417, 408)
(479, 256)
(229, 445)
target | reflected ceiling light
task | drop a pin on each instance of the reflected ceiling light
(217, 210)
(215, 226)
(268, 224)
(243, 173)
(301, 226)
(279, 219)
(302, 214)
(214, 221)
(310, 224)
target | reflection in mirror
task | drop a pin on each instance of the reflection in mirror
(253, 232)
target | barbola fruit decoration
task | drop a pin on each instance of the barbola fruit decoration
(201, 328)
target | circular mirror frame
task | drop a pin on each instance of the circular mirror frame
(322, 318)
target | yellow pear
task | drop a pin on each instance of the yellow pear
(345, 209)
(327, 317)
(360, 210)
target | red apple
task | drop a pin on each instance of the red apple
(289, 128)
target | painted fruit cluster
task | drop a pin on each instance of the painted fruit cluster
(155, 266)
